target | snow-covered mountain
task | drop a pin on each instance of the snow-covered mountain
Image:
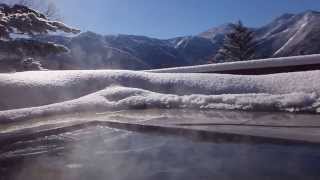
(291, 35)
(215, 34)
(195, 49)
(93, 51)
(287, 35)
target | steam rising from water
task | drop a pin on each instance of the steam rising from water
(104, 153)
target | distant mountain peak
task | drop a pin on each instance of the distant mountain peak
(312, 12)
(216, 31)
(285, 16)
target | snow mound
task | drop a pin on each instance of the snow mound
(33, 94)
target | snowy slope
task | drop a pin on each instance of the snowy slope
(59, 92)
(287, 35)
(290, 34)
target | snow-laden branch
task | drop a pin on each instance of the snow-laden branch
(20, 19)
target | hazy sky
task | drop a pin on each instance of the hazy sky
(170, 18)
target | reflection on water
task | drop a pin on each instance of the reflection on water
(104, 153)
(181, 115)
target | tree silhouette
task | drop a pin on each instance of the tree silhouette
(238, 45)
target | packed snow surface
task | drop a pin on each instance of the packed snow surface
(35, 94)
(243, 65)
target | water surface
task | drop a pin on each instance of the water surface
(99, 152)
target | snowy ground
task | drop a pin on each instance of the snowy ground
(240, 65)
(34, 94)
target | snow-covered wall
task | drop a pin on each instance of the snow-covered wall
(246, 65)
(59, 92)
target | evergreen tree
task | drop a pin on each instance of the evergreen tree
(238, 45)
(46, 7)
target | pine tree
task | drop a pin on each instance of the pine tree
(238, 45)
(46, 7)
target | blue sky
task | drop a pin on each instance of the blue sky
(171, 18)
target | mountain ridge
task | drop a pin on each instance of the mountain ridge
(287, 35)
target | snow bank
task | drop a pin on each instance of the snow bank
(253, 64)
(57, 92)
